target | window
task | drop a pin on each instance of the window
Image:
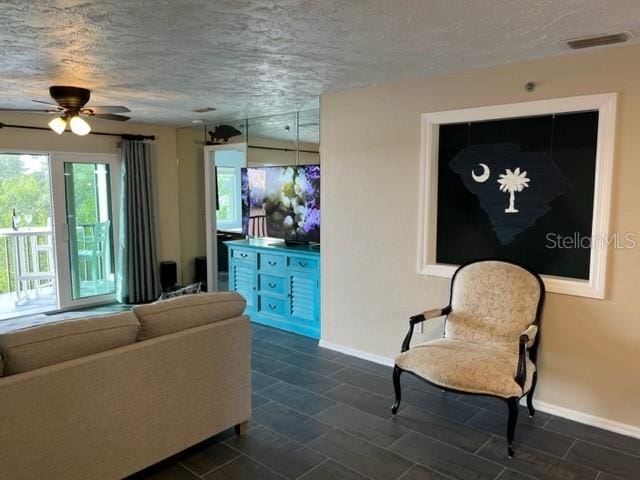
(229, 212)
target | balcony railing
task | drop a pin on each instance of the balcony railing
(27, 275)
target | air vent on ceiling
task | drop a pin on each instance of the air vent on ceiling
(597, 40)
(203, 110)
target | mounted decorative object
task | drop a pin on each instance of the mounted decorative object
(222, 133)
(527, 182)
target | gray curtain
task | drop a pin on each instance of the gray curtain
(137, 264)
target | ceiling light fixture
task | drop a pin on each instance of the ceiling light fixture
(79, 126)
(58, 125)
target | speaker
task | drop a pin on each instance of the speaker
(201, 270)
(168, 275)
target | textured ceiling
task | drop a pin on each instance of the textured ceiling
(162, 58)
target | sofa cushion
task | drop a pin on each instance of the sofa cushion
(187, 311)
(42, 345)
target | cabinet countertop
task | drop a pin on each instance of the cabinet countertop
(274, 245)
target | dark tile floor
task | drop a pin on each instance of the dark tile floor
(322, 415)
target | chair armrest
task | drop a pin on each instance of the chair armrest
(531, 334)
(419, 318)
(429, 314)
(527, 339)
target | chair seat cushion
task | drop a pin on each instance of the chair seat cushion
(467, 367)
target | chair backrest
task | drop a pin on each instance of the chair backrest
(492, 303)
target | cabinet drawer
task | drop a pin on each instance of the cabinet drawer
(271, 305)
(272, 263)
(304, 264)
(271, 284)
(243, 255)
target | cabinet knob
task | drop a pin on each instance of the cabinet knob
(272, 306)
(271, 285)
(303, 264)
(273, 264)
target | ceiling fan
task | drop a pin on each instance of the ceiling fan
(70, 107)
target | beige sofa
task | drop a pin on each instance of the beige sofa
(104, 397)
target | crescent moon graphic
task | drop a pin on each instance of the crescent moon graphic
(482, 177)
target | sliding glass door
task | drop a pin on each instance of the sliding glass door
(27, 266)
(89, 226)
(85, 193)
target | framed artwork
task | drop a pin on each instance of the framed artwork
(527, 182)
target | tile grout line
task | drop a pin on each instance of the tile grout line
(251, 458)
(483, 445)
(189, 470)
(601, 445)
(388, 447)
(480, 411)
(312, 469)
(526, 475)
(453, 447)
(500, 474)
(430, 469)
(216, 468)
(317, 452)
(564, 457)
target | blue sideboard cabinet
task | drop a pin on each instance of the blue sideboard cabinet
(280, 283)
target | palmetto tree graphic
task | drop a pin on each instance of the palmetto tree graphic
(512, 182)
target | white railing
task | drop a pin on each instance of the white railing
(28, 265)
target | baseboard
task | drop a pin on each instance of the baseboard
(568, 413)
(372, 357)
(588, 419)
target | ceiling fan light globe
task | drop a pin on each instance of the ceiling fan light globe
(79, 126)
(58, 125)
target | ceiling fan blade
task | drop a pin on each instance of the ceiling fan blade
(33, 110)
(110, 116)
(47, 103)
(107, 109)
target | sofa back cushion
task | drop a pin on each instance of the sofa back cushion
(42, 345)
(188, 311)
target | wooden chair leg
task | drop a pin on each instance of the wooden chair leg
(532, 411)
(241, 428)
(512, 403)
(397, 371)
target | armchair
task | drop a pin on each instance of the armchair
(490, 338)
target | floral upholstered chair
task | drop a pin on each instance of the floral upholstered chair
(490, 337)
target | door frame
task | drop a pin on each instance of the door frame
(61, 228)
(210, 190)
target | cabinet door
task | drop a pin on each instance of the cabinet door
(302, 305)
(242, 279)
